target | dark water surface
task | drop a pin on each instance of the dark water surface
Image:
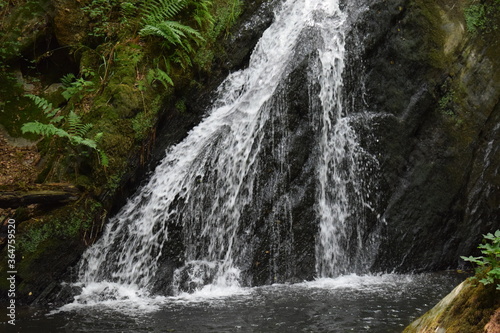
(384, 304)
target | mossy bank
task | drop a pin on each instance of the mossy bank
(92, 59)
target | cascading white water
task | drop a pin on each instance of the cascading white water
(341, 198)
(205, 182)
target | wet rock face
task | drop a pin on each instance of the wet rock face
(435, 90)
(284, 240)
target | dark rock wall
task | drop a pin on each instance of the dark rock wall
(435, 89)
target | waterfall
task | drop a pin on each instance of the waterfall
(202, 202)
(342, 194)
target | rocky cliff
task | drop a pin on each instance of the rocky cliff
(434, 85)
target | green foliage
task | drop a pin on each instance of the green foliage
(175, 33)
(158, 21)
(75, 86)
(445, 103)
(157, 74)
(475, 17)
(32, 239)
(488, 264)
(201, 13)
(73, 223)
(109, 17)
(76, 132)
(180, 105)
(225, 14)
(47, 108)
(482, 17)
(142, 124)
(99, 12)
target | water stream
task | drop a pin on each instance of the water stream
(225, 211)
(205, 184)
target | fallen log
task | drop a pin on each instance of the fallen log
(13, 196)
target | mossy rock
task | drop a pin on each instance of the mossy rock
(468, 308)
(126, 100)
(71, 23)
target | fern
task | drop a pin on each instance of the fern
(202, 15)
(68, 79)
(182, 58)
(76, 131)
(103, 157)
(36, 127)
(45, 105)
(161, 76)
(157, 11)
(158, 22)
(76, 88)
(76, 127)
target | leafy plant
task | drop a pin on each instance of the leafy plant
(159, 22)
(475, 17)
(76, 132)
(482, 17)
(445, 103)
(160, 72)
(74, 86)
(70, 225)
(488, 264)
(201, 13)
(47, 108)
(142, 124)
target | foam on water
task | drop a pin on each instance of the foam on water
(126, 299)
(133, 301)
(359, 282)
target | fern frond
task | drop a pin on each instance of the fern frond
(43, 129)
(103, 157)
(202, 15)
(161, 30)
(78, 140)
(83, 129)
(156, 11)
(98, 137)
(182, 58)
(43, 104)
(57, 119)
(67, 79)
(164, 78)
(74, 123)
(184, 29)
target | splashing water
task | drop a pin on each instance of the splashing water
(341, 197)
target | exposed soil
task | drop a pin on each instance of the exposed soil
(18, 160)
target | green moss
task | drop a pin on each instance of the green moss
(466, 309)
(60, 224)
(47, 245)
(432, 21)
(126, 100)
(142, 125)
(482, 17)
(117, 146)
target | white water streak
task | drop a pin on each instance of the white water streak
(341, 197)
